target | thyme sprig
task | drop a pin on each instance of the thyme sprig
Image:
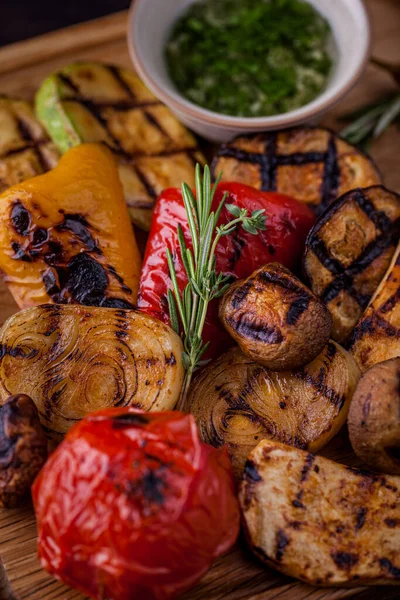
(188, 309)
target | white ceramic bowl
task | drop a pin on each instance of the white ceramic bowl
(150, 22)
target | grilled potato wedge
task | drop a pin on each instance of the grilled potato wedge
(73, 360)
(349, 250)
(376, 337)
(374, 417)
(312, 164)
(238, 402)
(25, 149)
(94, 102)
(275, 319)
(319, 521)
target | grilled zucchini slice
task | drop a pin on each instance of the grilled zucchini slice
(349, 250)
(319, 521)
(312, 164)
(376, 337)
(25, 149)
(238, 402)
(94, 102)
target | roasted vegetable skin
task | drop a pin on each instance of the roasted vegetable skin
(25, 149)
(66, 236)
(237, 402)
(374, 418)
(133, 505)
(349, 250)
(318, 521)
(23, 449)
(275, 319)
(95, 102)
(376, 337)
(311, 164)
(237, 255)
(72, 360)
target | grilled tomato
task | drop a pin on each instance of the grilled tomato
(133, 505)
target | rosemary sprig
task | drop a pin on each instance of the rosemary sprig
(372, 121)
(188, 309)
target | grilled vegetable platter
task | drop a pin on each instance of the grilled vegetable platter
(157, 398)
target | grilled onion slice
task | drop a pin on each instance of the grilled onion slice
(349, 250)
(275, 319)
(73, 360)
(238, 402)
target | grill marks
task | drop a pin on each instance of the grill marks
(96, 109)
(269, 162)
(78, 278)
(350, 256)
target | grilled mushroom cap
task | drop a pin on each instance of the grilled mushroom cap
(311, 164)
(238, 402)
(23, 448)
(275, 319)
(349, 250)
(374, 417)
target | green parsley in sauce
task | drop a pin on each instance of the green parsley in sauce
(250, 58)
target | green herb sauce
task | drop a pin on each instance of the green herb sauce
(250, 58)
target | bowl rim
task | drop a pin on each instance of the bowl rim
(179, 103)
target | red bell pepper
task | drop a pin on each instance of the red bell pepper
(238, 254)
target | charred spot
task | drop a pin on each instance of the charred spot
(19, 253)
(50, 283)
(129, 420)
(386, 564)
(16, 352)
(360, 517)
(316, 468)
(20, 218)
(258, 332)
(151, 487)
(78, 225)
(282, 405)
(241, 294)
(282, 541)
(297, 308)
(170, 360)
(282, 280)
(331, 350)
(40, 236)
(238, 245)
(150, 362)
(54, 253)
(295, 525)
(310, 458)
(251, 474)
(345, 560)
(298, 504)
(121, 334)
(160, 382)
(391, 523)
(116, 303)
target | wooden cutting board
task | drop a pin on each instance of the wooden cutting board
(236, 576)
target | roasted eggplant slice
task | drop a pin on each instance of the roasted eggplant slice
(312, 164)
(376, 337)
(349, 250)
(319, 521)
(238, 402)
(374, 417)
(25, 149)
(93, 102)
(73, 360)
(276, 320)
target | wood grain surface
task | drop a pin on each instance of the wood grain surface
(236, 576)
